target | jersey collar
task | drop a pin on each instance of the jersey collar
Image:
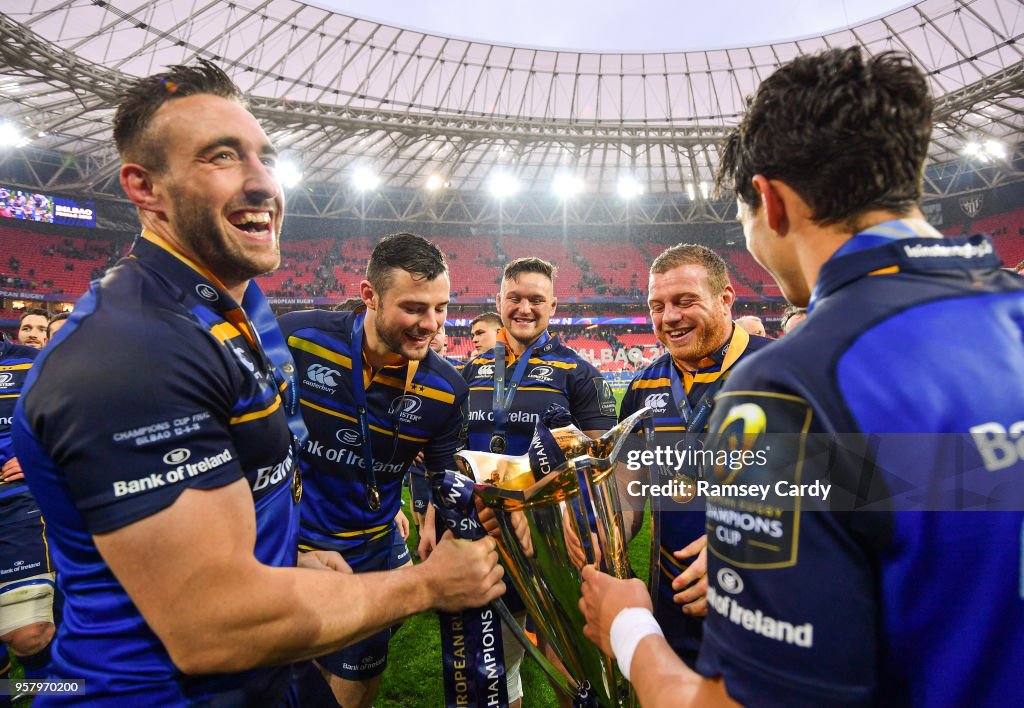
(723, 357)
(895, 246)
(545, 343)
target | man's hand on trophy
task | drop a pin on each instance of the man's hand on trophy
(521, 527)
(574, 545)
(691, 586)
(487, 518)
(463, 573)
(604, 597)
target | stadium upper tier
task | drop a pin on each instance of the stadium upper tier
(54, 263)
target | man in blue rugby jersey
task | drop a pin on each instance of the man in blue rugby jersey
(374, 394)
(690, 300)
(160, 437)
(26, 575)
(531, 369)
(904, 586)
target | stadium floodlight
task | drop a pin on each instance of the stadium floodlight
(434, 182)
(567, 186)
(690, 191)
(704, 189)
(972, 148)
(11, 135)
(629, 188)
(364, 179)
(503, 185)
(995, 148)
(983, 150)
(288, 174)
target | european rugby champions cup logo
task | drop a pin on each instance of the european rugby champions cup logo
(557, 509)
(741, 433)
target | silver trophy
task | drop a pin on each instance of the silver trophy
(556, 509)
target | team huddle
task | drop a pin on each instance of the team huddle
(221, 489)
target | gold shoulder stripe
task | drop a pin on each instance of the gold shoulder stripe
(257, 414)
(16, 367)
(224, 331)
(328, 411)
(652, 383)
(349, 418)
(556, 364)
(322, 352)
(430, 392)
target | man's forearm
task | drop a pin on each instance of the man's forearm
(662, 680)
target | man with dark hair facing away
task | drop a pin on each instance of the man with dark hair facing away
(883, 590)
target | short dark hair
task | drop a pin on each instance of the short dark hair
(56, 318)
(694, 254)
(789, 313)
(140, 101)
(413, 254)
(487, 317)
(30, 311)
(1020, 267)
(529, 264)
(848, 133)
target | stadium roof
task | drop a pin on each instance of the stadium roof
(337, 92)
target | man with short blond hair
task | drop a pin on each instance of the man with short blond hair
(690, 300)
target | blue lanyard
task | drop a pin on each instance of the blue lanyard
(694, 420)
(502, 400)
(268, 334)
(359, 394)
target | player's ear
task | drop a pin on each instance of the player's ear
(773, 204)
(728, 296)
(137, 183)
(554, 304)
(368, 295)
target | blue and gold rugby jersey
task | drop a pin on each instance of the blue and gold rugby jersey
(148, 391)
(428, 416)
(556, 374)
(904, 390)
(23, 552)
(681, 523)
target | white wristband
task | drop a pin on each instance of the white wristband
(628, 628)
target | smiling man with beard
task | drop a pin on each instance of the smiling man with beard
(159, 435)
(690, 300)
(374, 394)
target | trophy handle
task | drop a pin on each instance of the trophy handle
(610, 444)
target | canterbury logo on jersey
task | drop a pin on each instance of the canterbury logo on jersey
(658, 402)
(318, 373)
(486, 370)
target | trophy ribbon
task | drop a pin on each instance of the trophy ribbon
(472, 654)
